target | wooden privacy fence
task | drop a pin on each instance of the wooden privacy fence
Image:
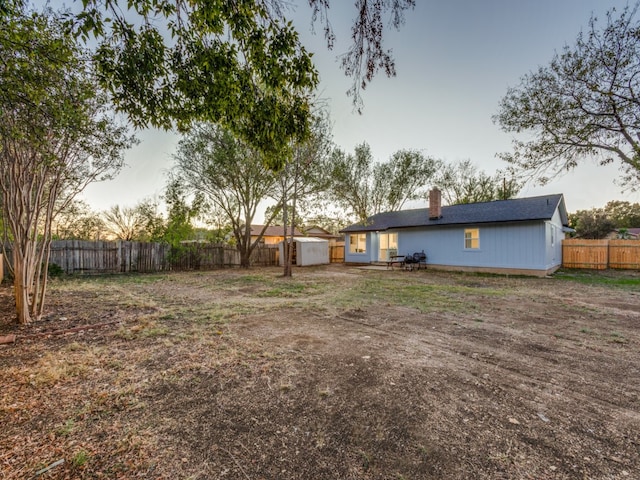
(601, 254)
(336, 253)
(88, 257)
(200, 256)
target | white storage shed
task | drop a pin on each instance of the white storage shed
(307, 251)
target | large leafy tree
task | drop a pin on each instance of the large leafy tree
(584, 104)
(56, 136)
(181, 212)
(305, 176)
(591, 224)
(623, 214)
(364, 187)
(236, 63)
(463, 182)
(232, 176)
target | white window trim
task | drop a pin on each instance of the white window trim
(472, 238)
(364, 244)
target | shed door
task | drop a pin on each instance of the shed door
(388, 246)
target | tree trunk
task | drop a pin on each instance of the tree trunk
(21, 289)
(245, 253)
(287, 245)
(293, 224)
(293, 219)
(245, 258)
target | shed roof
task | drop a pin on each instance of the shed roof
(498, 211)
(311, 240)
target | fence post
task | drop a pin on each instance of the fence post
(119, 256)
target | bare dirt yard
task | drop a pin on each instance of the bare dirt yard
(337, 373)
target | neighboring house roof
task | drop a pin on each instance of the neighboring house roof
(273, 231)
(498, 211)
(320, 232)
(632, 232)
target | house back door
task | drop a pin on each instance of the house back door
(388, 246)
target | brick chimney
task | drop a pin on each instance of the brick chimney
(435, 204)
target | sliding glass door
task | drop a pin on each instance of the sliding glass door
(388, 246)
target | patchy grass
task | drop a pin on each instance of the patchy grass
(609, 278)
(335, 373)
(415, 293)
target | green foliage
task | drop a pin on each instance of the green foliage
(276, 214)
(462, 182)
(331, 223)
(365, 187)
(623, 214)
(181, 213)
(597, 277)
(304, 178)
(231, 177)
(152, 220)
(170, 64)
(623, 234)
(600, 222)
(55, 270)
(80, 459)
(237, 64)
(584, 104)
(57, 135)
(592, 224)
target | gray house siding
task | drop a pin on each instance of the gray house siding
(518, 246)
(553, 241)
(515, 246)
(358, 257)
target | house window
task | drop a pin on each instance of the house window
(471, 238)
(358, 243)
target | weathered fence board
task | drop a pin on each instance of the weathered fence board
(142, 257)
(203, 257)
(265, 256)
(79, 256)
(600, 254)
(88, 257)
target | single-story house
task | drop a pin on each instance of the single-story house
(517, 236)
(273, 235)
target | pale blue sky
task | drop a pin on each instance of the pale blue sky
(455, 60)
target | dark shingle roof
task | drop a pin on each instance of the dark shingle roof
(499, 211)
